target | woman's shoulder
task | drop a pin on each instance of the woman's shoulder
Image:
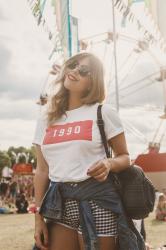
(106, 107)
(108, 110)
(42, 117)
(41, 121)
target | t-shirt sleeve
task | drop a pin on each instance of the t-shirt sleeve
(39, 131)
(112, 123)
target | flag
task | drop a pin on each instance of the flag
(147, 2)
(74, 35)
(67, 26)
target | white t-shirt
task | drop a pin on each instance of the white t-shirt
(73, 143)
(7, 172)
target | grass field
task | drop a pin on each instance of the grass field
(156, 231)
(16, 232)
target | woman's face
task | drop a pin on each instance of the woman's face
(78, 77)
(162, 198)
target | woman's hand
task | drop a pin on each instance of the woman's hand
(100, 170)
(41, 232)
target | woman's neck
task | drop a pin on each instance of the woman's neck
(74, 102)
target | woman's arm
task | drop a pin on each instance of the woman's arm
(121, 160)
(41, 180)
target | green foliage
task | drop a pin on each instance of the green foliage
(19, 154)
(32, 156)
(13, 153)
(4, 160)
(22, 155)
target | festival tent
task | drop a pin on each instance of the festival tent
(154, 165)
(23, 169)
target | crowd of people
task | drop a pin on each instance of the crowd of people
(16, 194)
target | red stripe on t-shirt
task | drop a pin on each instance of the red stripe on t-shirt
(81, 130)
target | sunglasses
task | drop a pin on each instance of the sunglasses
(82, 69)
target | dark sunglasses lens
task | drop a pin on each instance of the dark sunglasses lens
(72, 65)
(84, 71)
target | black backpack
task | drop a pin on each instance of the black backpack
(135, 189)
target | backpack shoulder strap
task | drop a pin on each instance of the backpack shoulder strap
(100, 124)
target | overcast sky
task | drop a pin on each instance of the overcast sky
(24, 64)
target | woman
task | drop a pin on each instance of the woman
(69, 150)
(161, 208)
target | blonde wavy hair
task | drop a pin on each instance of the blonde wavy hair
(58, 103)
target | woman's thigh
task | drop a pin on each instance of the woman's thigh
(62, 238)
(105, 243)
(106, 224)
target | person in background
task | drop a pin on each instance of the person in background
(164, 191)
(13, 189)
(161, 208)
(21, 204)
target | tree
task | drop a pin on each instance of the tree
(4, 160)
(22, 155)
(17, 155)
(32, 156)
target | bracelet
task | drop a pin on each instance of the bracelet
(37, 209)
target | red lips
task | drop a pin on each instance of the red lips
(72, 77)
